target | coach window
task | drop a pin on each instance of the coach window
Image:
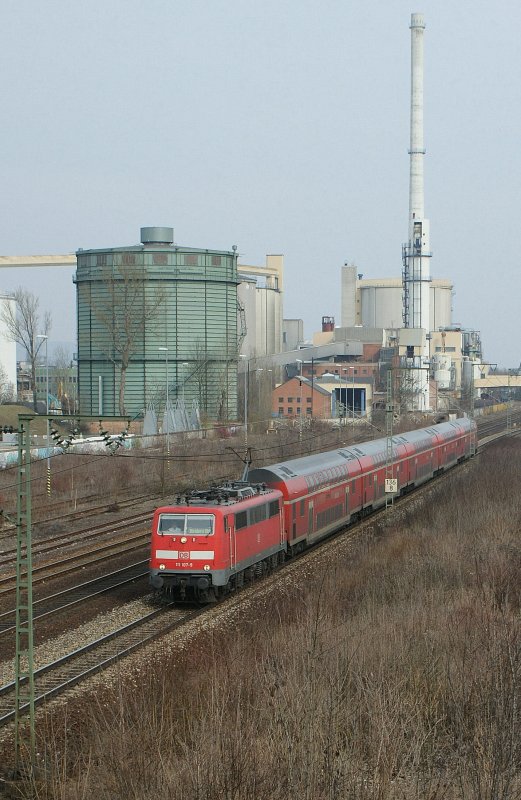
(302, 507)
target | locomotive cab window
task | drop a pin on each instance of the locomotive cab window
(188, 524)
(171, 523)
(241, 520)
(257, 514)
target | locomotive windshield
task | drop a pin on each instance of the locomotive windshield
(188, 524)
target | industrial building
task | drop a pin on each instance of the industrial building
(378, 302)
(260, 324)
(155, 321)
(330, 396)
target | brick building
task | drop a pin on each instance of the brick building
(299, 396)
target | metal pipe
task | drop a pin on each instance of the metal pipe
(167, 404)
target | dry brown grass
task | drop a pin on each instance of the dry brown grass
(397, 674)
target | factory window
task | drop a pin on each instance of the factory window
(308, 399)
(128, 259)
(290, 399)
(308, 411)
(281, 399)
(290, 411)
(216, 261)
(298, 409)
(160, 259)
(101, 260)
(281, 411)
(191, 260)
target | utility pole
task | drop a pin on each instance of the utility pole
(24, 638)
(24, 656)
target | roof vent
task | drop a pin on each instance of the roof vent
(157, 235)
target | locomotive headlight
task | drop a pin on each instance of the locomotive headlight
(161, 566)
(206, 567)
(183, 539)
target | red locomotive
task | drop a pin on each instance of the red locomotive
(210, 542)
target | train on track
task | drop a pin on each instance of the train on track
(211, 542)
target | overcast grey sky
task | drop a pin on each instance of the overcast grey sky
(281, 127)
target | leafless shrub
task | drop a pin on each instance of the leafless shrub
(395, 673)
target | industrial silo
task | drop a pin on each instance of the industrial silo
(171, 313)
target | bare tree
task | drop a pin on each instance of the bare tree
(124, 310)
(6, 387)
(24, 324)
(62, 362)
(200, 361)
(209, 371)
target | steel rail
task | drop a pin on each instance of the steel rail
(79, 594)
(45, 545)
(137, 633)
(134, 636)
(45, 571)
(64, 673)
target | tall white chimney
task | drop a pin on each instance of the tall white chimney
(416, 253)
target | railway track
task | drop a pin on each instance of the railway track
(69, 670)
(80, 593)
(66, 517)
(55, 678)
(64, 673)
(70, 563)
(71, 538)
(93, 510)
(497, 424)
